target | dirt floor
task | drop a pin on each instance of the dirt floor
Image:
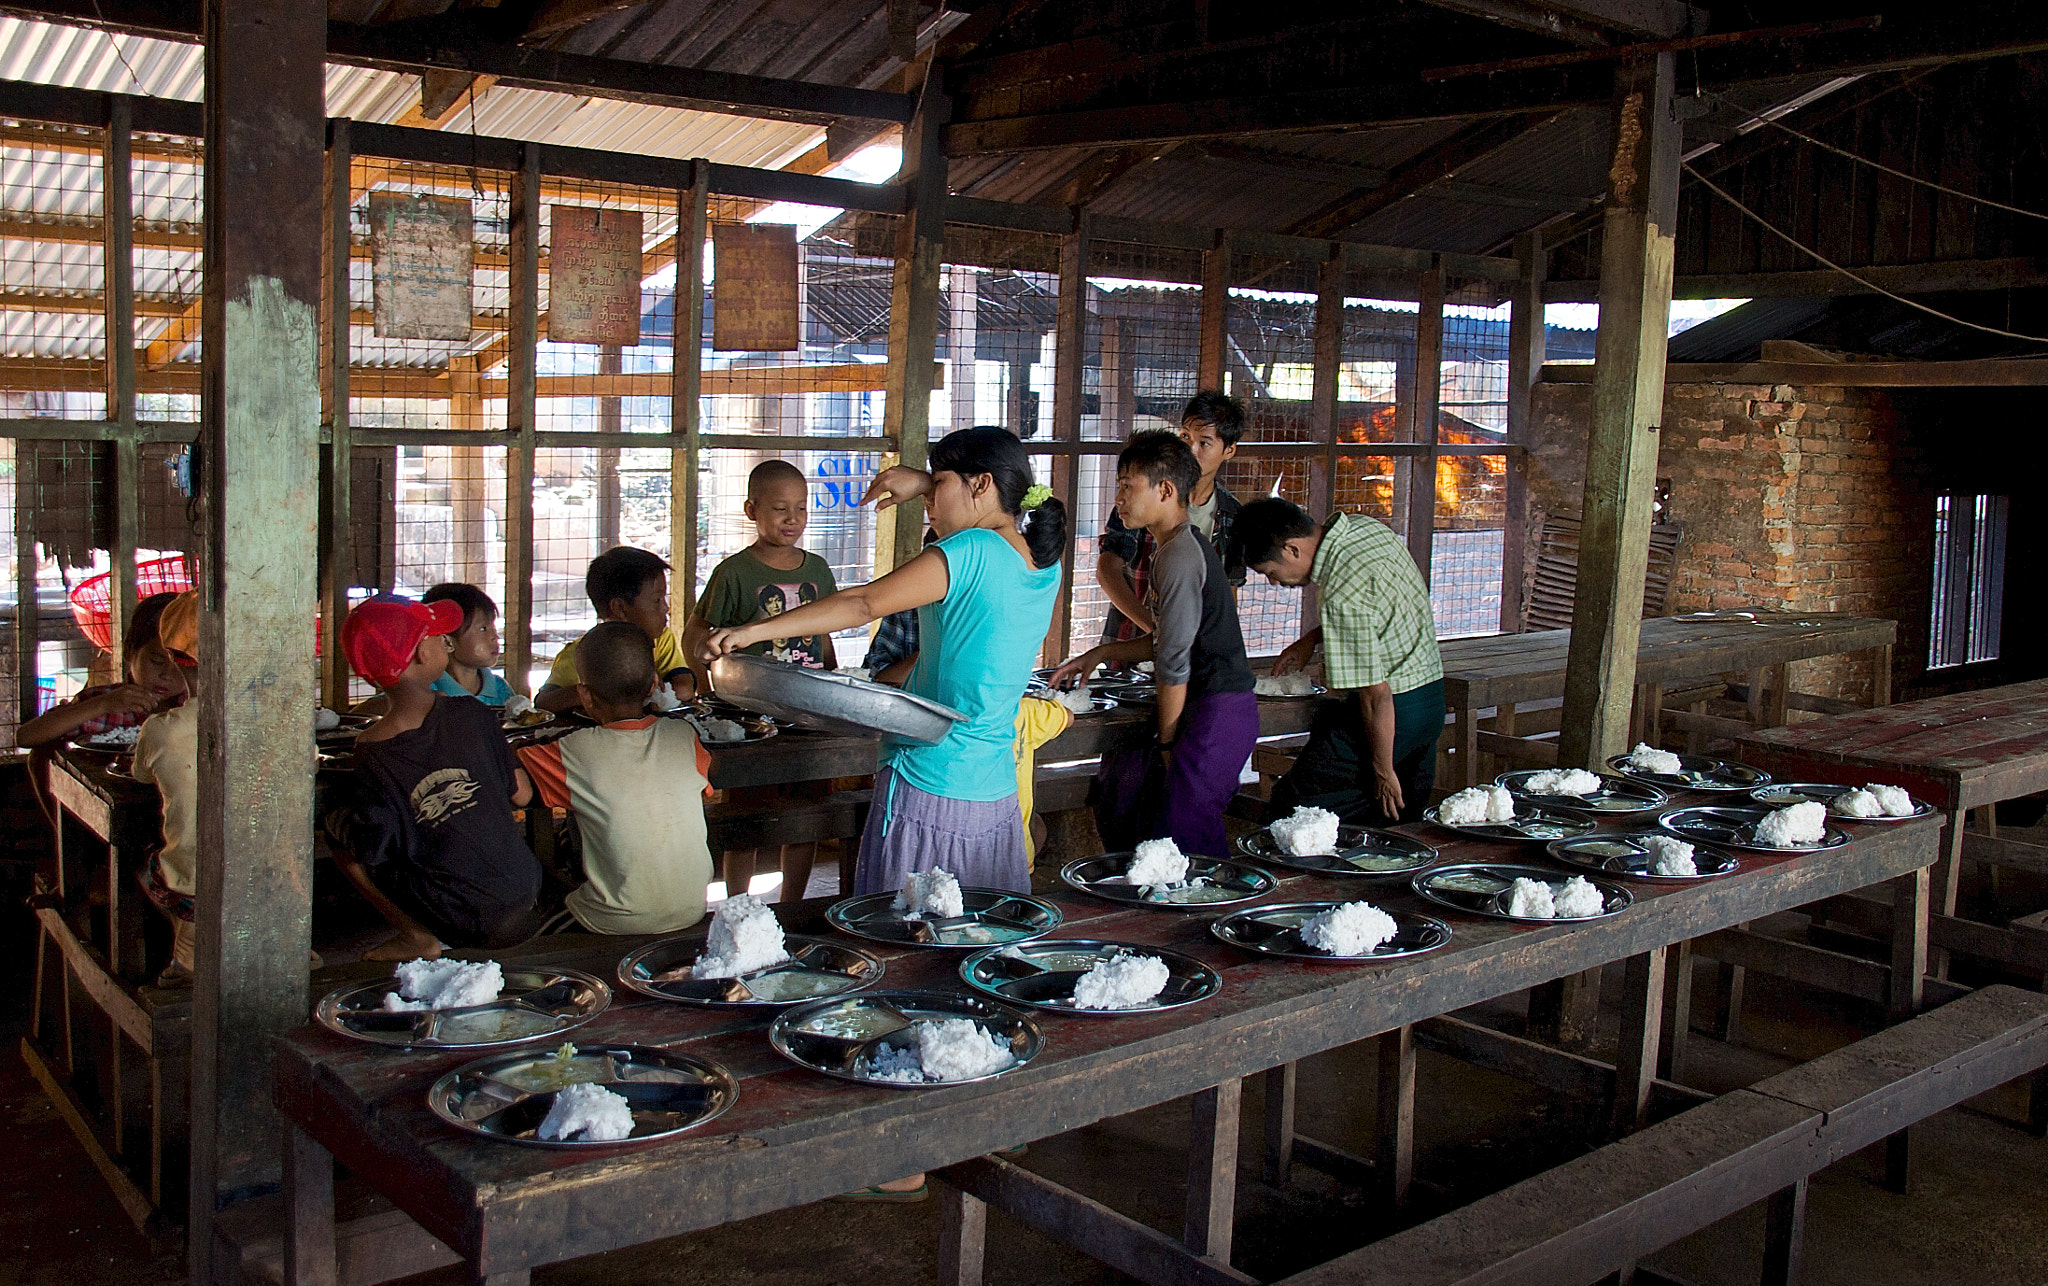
(1978, 1214)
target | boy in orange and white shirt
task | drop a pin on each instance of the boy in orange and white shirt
(636, 785)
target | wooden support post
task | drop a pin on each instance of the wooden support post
(117, 230)
(914, 308)
(1212, 1171)
(1018, 416)
(963, 1236)
(685, 390)
(1677, 1013)
(1068, 352)
(1429, 352)
(1280, 1089)
(1394, 1157)
(338, 550)
(1525, 364)
(963, 283)
(522, 354)
(27, 615)
(611, 421)
(1784, 1231)
(1566, 1012)
(468, 497)
(1322, 405)
(1727, 1024)
(1628, 402)
(265, 124)
(1215, 334)
(1118, 391)
(309, 1211)
(1642, 1025)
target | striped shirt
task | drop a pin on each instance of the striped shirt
(1377, 623)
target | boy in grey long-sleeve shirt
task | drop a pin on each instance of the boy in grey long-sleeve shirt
(1208, 715)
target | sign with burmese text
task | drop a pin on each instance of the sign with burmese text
(753, 288)
(420, 266)
(593, 275)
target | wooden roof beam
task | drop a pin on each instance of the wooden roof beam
(1995, 372)
(2016, 272)
(1590, 23)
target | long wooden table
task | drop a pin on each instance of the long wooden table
(1501, 671)
(1965, 751)
(795, 1137)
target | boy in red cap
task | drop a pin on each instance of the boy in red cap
(432, 842)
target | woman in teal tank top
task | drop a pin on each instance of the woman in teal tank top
(984, 596)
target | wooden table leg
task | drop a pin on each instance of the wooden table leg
(1394, 1160)
(1503, 725)
(963, 1236)
(1565, 1012)
(1728, 980)
(1909, 966)
(1948, 872)
(1466, 746)
(1881, 678)
(1212, 1171)
(1677, 1013)
(1756, 697)
(1642, 1024)
(1778, 703)
(309, 1211)
(1784, 1230)
(1280, 1086)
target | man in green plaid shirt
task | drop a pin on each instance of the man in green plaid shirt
(1371, 753)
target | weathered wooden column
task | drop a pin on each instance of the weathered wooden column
(1429, 385)
(962, 326)
(117, 226)
(1628, 400)
(914, 302)
(522, 354)
(1322, 406)
(1069, 351)
(337, 555)
(686, 386)
(1525, 366)
(610, 420)
(265, 135)
(1215, 334)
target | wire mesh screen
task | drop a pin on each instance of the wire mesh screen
(167, 176)
(53, 284)
(1471, 488)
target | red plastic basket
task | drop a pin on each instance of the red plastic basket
(92, 599)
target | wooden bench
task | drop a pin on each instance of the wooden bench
(1599, 1214)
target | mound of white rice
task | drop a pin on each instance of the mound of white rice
(1532, 900)
(1895, 801)
(933, 892)
(1856, 803)
(1578, 899)
(946, 1049)
(1670, 856)
(1080, 698)
(1157, 862)
(745, 936)
(1803, 823)
(1352, 929)
(444, 984)
(1122, 981)
(1477, 805)
(588, 1112)
(1562, 781)
(1647, 758)
(1306, 832)
(1297, 684)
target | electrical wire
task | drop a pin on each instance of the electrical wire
(1865, 282)
(1877, 165)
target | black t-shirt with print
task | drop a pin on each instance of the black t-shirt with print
(433, 824)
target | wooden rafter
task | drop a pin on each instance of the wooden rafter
(1472, 143)
(1586, 22)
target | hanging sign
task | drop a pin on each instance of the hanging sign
(593, 275)
(753, 288)
(421, 262)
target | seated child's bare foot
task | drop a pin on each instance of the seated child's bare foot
(407, 945)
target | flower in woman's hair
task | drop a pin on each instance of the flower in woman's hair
(1035, 495)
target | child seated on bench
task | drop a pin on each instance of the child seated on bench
(431, 839)
(636, 785)
(167, 755)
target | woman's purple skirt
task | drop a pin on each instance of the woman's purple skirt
(980, 841)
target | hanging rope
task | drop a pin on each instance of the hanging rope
(1865, 282)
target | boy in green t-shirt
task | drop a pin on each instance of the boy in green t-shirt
(767, 578)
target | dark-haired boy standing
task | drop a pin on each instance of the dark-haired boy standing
(1208, 715)
(1211, 424)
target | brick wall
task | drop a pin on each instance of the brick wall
(1806, 499)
